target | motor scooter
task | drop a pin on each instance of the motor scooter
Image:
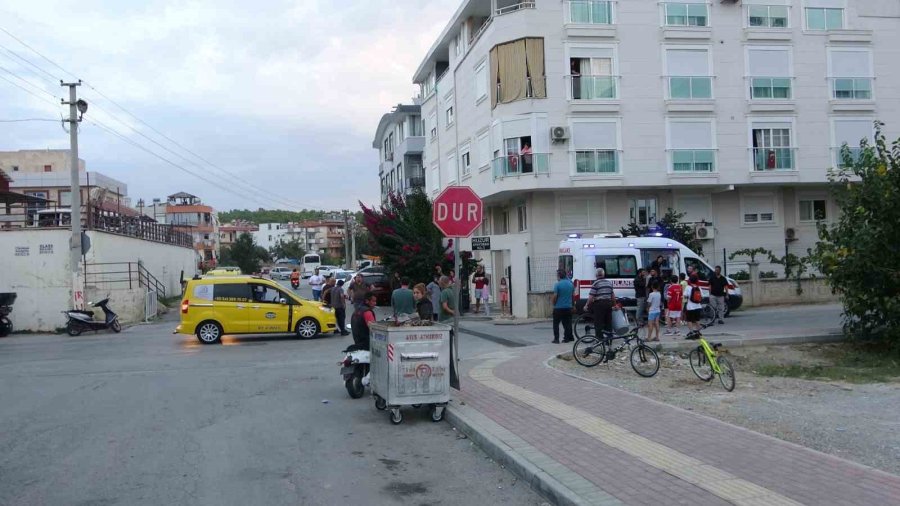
(355, 370)
(6, 301)
(78, 321)
(295, 284)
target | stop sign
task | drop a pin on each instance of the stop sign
(457, 211)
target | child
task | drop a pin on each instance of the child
(486, 296)
(654, 301)
(682, 280)
(504, 295)
(674, 295)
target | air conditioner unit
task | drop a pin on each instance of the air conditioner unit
(559, 133)
(704, 232)
(790, 234)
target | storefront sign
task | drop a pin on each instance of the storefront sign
(481, 244)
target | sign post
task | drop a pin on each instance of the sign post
(457, 212)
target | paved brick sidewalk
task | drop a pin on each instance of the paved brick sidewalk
(640, 451)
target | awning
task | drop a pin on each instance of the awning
(16, 198)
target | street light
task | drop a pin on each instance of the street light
(82, 108)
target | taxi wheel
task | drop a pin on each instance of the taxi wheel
(209, 332)
(307, 328)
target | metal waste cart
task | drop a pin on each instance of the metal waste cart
(410, 366)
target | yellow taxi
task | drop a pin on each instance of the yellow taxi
(214, 306)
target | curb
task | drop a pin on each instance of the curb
(532, 466)
(740, 342)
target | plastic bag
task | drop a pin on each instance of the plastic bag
(620, 321)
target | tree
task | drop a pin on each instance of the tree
(855, 252)
(246, 254)
(273, 215)
(750, 252)
(290, 249)
(669, 226)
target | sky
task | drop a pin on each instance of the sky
(283, 95)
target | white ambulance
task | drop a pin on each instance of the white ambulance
(621, 257)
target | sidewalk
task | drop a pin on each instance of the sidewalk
(579, 442)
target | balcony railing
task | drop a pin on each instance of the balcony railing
(690, 87)
(518, 165)
(594, 12)
(851, 88)
(515, 6)
(693, 160)
(766, 159)
(529, 89)
(854, 155)
(415, 182)
(594, 87)
(599, 161)
(770, 88)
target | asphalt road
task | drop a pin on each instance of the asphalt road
(147, 417)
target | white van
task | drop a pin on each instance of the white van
(621, 257)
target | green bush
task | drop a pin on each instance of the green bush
(741, 275)
(768, 275)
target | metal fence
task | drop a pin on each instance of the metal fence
(122, 275)
(151, 304)
(542, 273)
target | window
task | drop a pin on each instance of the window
(692, 146)
(594, 12)
(518, 158)
(522, 217)
(517, 71)
(818, 18)
(850, 132)
(466, 163)
(813, 210)
(481, 82)
(758, 209)
(592, 74)
(452, 168)
(696, 208)
(772, 149)
(65, 198)
(501, 221)
(266, 294)
(850, 73)
(484, 150)
(449, 116)
(435, 179)
(596, 147)
(581, 213)
(617, 266)
(643, 211)
(689, 74)
(770, 73)
(696, 266)
(686, 14)
(48, 168)
(767, 16)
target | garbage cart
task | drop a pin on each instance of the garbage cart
(410, 366)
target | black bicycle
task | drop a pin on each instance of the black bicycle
(590, 350)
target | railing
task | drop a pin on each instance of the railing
(693, 160)
(517, 165)
(415, 182)
(506, 9)
(139, 227)
(36, 215)
(690, 87)
(851, 88)
(855, 155)
(477, 35)
(765, 159)
(587, 87)
(121, 274)
(529, 89)
(770, 88)
(594, 12)
(598, 161)
(686, 14)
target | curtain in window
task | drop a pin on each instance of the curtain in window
(512, 71)
(534, 51)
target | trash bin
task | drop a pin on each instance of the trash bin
(410, 366)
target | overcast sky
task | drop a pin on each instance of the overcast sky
(285, 94)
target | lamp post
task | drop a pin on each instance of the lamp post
(77, 108)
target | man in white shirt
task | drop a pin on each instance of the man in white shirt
(316, 282)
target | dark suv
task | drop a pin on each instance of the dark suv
(380, 285)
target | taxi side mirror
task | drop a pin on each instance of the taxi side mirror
(282, 301)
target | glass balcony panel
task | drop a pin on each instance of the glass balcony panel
(680, 87)
(773, 159)
(781, 88)
(701, 87)
(834, 19)
(697, 15)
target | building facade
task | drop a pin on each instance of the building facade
(400, 141)
(229, 232)
(325, 236)
(189, 214)
(580, 117)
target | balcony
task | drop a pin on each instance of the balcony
(521, 165)
(415, 182)
(587, 87)
(529, 90)
(853, 156)
(510, 6)
(777, 159)
(690, 87)
(686, 161)
(851, 88)
(591, 12)
(770, 88)
(596, 162)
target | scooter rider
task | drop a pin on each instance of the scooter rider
(295, 278)
(362, 317)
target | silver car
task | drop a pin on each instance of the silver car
(280, 273)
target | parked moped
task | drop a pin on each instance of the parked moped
(79, 321)
(6, 301)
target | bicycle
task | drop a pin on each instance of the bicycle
(584, 325)
(589, 351)
(706, 362)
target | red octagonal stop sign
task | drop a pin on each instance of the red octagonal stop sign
(457, 211)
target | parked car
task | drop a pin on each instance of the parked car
(339, 274)
(326, 270)
(280, 272)
(380, 285)
(373, 269)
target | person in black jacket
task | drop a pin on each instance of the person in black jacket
(424, 307)
(640, 294)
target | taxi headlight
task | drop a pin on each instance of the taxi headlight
(327, 309)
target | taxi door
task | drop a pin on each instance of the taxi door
(230, 306)
(266, 312)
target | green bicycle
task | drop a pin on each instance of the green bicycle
(706, 361)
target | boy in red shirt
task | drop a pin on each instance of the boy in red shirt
(675, 298)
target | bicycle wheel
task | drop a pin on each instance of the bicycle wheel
(644, 361)
(583, 326)
(708, 315)
(700, 364)
(589, 351)
(727, 374)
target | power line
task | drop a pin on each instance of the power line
(26, 119)
(27, 61)
(29, 83)
(35, 51)
(26, 90)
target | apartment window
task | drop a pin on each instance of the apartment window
(481, 82)
(415, 126)
(689, 73)
(758, 209)
(594, 12)
(435, 179)
(432, 123)
(686, 14)
(596, 147)
(767, 16)
(466, 163)
(592, 73)
(517, 71)
(772, 148)
(501, 221)
(449, 116)
(769, 73)
(519, 158)
(65, 198)
(696, 208)
(643, 211)
(818, 18)
(485, 222)
(522, 218)
(48, 168)
(452, 168)
(812, 210)
(484, 150)
(850, 132)
(851, 74)
(578, 214)
(692, 146)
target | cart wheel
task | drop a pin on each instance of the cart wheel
(437, 413)
(396, 416)
(380, 403)
(416, 406)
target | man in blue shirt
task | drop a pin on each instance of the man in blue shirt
(563, 292)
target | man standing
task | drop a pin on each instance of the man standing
(340, 306)
(395, 281)
(600, 302)
(640, 294)
(718, 292)
(357, 290)
(562, 307)
(402, 299)
(447, 301)
(315, 282)
(434, 291)
(362, 317)
(478, 280)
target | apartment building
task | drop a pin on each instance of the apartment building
(581, 116)
(315, 236)
(189, 214)
(229, 232)
(400, 141)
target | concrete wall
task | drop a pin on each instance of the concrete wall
(127, 303)
(164, 261)
(767, 292)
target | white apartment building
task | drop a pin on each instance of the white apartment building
(582, 116)
(400, 141)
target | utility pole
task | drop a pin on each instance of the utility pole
(348, 262)
(75, 246)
